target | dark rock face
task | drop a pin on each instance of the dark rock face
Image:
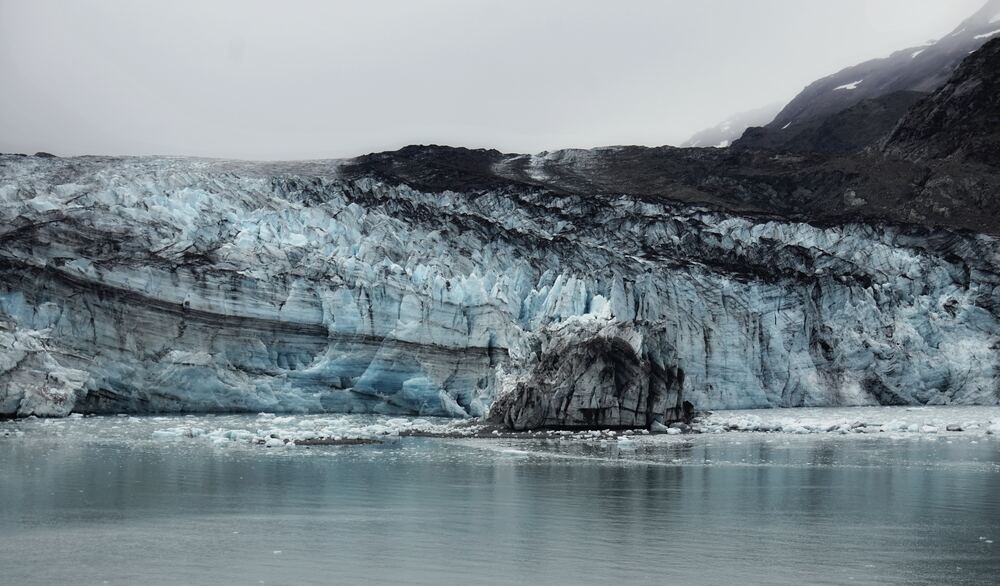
(960, 121)
(587, 381)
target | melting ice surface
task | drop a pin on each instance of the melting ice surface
(156, 500)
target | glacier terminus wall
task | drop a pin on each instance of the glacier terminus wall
(183, 285)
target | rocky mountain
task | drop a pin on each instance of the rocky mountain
(604, 287)
(873, 94)
(961, 121)
(845, 131)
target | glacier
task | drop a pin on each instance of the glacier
(154, 284)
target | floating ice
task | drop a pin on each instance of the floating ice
(879, 421)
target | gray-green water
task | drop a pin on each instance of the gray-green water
(79, 508)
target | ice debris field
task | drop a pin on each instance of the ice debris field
(268, 430)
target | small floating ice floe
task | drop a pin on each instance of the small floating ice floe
(626, 443)
(657, 427)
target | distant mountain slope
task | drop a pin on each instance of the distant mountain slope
(916, 69)
(723, 134)
(842, 132)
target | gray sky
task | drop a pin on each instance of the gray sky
(302, 79)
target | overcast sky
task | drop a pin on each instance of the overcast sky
(303, 79)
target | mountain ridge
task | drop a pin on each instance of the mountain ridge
(923, 69)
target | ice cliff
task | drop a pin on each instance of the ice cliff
(157, 284)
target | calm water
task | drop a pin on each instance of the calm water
(739, 508)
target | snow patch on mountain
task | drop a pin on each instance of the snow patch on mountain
(849, 86)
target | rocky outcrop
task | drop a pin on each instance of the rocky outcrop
(586, 373)
(961, 121)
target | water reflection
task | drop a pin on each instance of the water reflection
(431, 511)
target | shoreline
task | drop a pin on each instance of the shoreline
(272, 431)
